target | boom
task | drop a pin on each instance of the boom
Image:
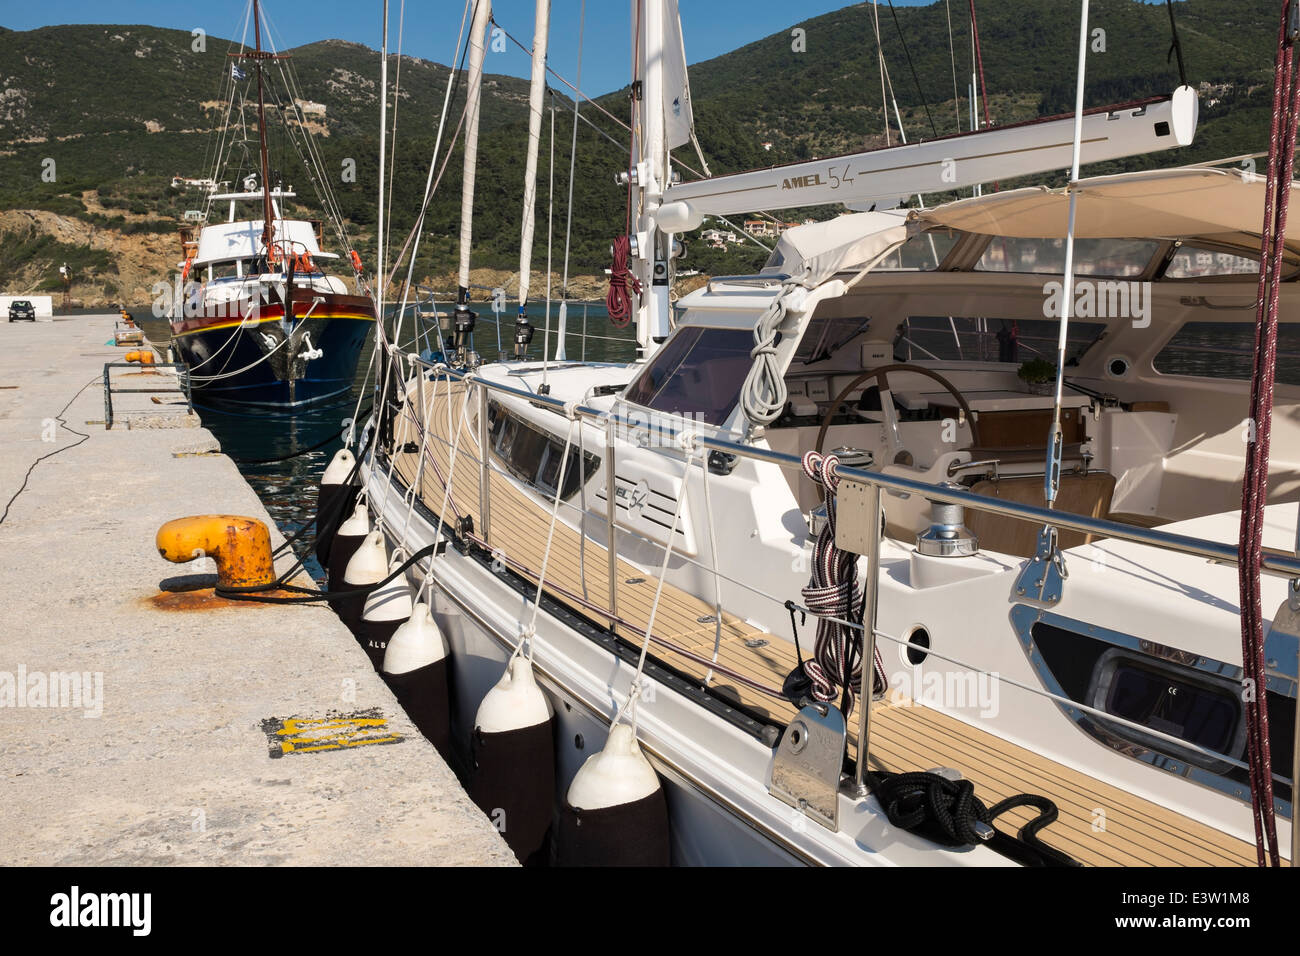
(884, 177)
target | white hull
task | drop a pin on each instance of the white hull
(714, 773)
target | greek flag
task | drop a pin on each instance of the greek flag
(236, 73)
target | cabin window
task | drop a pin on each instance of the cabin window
(535, 456)
(1227, 350)
(921, 253)
(984, 339)
(1193, 262)
(1092, 257)
(698, 372)
(775, 260)
(825, 337)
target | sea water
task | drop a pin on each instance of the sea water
(288, 486)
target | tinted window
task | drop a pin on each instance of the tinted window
(984, 339)
(698, 372)
(825, 337)
(1092, 257)
(1227, 350)
(534, 456)
(1190, 262)
(1203, 715)
(920, 253)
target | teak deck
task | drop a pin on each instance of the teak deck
(1099, 824)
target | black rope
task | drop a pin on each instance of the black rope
(797, 686)
(62, 424)
(320, 519)
(257, 592)
(301, 451)
(915, 79)
(1177, 47)
(947, 811)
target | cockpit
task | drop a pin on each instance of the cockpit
(930, 350)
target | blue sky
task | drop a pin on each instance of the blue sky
(712, 27)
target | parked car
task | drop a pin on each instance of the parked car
(22, 309)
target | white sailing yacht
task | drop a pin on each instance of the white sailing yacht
(693, 545)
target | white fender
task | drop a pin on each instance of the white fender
(358, 524)
(340, 466)
(619, 773)
(370, 564)
(417, 643)
(392, 602)
(514, 703)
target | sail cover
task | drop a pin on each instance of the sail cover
(1220, 205)
(678, 120)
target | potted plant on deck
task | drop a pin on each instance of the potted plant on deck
(1039, 376)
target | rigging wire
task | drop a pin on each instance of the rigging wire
(1176, 47)
(880, 56)
(430, 185)
(573, 160)
(911, 66)
(983, 90)
(397, 99)
(952, 56)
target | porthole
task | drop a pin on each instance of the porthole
(1118, 366)
(918, 643)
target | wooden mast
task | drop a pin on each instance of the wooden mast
(268, 233)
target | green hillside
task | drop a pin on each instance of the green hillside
(122, 108)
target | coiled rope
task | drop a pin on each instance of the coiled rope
(833, 593)
(947, 811)
(763, 396)
(622, 285)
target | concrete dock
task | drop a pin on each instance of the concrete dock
(140, 727)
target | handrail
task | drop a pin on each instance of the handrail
(1273, 562)
(776, 278)
(877, 482)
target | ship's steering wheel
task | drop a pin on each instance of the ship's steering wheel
(901, 454)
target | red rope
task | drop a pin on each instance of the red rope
(622, 285)
(1254, 490)
(979, 60)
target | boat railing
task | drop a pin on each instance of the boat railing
(875, 484)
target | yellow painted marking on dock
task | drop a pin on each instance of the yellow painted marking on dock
(312, 734)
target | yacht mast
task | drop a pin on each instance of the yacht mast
(268, 232)
(473, 96)
(536, 90)
(381, 277)
(650, 247)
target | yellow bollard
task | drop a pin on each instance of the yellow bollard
(241, 547)
(144, 358)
